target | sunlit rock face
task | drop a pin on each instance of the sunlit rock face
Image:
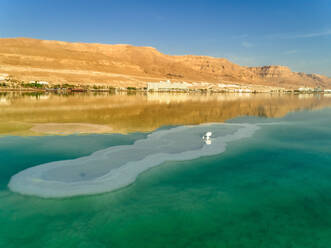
(118, 166)
(126, 65)
(282, 75)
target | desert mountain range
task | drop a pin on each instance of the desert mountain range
(126, 65)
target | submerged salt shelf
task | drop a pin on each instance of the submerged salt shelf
(118, 166)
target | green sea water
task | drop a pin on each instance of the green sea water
(270, 190)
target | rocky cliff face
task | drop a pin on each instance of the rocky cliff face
(272, 72)
(282, 75)
(126, 65)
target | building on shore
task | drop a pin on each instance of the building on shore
(4, 77)
(168, 86)
(39, 82)
(305, 89)
(234, 88)
(243, 90)
(228, 86)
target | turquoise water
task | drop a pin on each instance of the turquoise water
(270, 190)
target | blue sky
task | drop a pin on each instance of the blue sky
(293, 33)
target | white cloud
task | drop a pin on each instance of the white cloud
(310, 35)
(241, 36)
(290, 52)
(300, 36)
(246, 44)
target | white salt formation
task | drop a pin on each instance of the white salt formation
(118, 166)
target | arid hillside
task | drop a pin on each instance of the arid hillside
(126, 65)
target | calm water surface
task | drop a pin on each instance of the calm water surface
(270, 190)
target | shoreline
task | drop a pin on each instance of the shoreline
(133, 91)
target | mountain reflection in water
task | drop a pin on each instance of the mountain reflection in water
(38, 114)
